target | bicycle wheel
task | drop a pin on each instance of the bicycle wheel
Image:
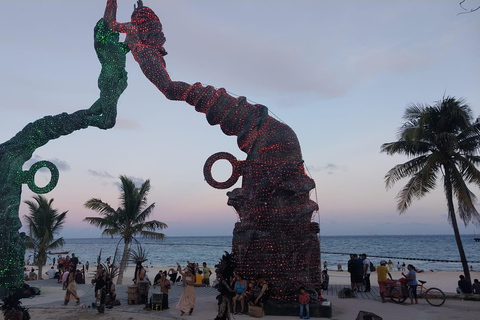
(435, 297)
(397, 295)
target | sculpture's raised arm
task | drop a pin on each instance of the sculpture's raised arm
(19, 149)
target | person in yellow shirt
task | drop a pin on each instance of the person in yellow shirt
(198, 278)
(383, 281)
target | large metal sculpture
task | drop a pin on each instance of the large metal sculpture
(15, 152)
(275, 235)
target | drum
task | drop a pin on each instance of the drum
(157, 298)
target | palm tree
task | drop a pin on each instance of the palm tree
(44, 223)
(442, 140)
(129, 219)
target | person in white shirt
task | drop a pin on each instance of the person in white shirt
(51, 273)
(366, 272)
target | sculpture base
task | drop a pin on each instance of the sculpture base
(317, 310)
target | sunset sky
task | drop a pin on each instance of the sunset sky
(339, 73)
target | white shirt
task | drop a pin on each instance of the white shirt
(366, 263)
(51, 273)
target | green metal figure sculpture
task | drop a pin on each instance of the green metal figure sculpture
(15, 152)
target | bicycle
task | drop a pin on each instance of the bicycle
(399, 292)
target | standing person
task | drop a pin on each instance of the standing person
(206, 275)
(239, 288)
(366, 272)
(53, 261)
(325, 265)
(71, 287)
(87, 265)
(64, 278)
(304, 299)
(411, 278)
(100, 282)
(74, 261)
(390, 265)
(403, 266)
(351, 271)
(164, 287)
(382, 272)
(158, 277)
(140, 273)
(357, 272)
(399, 267)
(187, 299)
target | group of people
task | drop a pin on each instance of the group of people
(359, 269)
(239, 291)
(32, 275)
(465, 286)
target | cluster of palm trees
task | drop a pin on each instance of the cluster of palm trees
(442, 141)
(127, 221)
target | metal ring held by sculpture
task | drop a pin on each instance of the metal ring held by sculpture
(29, 177)
(207, 170)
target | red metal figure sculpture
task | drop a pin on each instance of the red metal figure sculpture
(275, 236)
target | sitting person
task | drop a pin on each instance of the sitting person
(239, 288)
(262, 296)
(464, 286)
(476, 286)
(32, 275)
(247, 295)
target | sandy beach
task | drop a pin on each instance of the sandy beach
(48, 304)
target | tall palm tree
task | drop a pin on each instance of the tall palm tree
(442, 140)
(44, 223)
(129, 219)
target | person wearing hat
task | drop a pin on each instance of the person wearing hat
(383, 281)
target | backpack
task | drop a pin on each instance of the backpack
(346, 293)
(372, 267)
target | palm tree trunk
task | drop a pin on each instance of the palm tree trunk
(123, 263)
(453, 219)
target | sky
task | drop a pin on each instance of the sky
(339, 73)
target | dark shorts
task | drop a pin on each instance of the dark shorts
(206, 281)
(356, 278)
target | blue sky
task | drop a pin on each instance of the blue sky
(340, 73)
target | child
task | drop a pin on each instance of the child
(304, 299)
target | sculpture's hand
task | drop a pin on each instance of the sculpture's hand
(140, 5)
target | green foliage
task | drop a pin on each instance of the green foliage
(12, 303)
(43, 223)
(128, 220)
(442, 141)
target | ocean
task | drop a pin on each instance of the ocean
(427, 252)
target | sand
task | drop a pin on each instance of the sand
(48, 304)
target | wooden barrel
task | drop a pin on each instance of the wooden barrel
(132, 289)
(133, 298)
(143, 287)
